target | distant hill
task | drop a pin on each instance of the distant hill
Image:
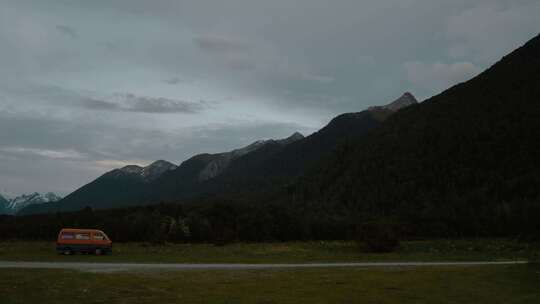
(468, 158)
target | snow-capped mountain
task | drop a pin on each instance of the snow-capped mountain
(3, 204)
(7, 194)
(11, 204)
(148, 173)
(156, 169)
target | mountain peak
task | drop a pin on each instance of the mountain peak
(131, 169)
(294, 137)
(148, 173)
(161, 163)
(404, 101)
(155, 169)
(297, 134)
(408, 95)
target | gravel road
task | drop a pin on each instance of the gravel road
(112, 267)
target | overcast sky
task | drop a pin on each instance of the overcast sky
(88, 86)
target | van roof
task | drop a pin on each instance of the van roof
(78, 230)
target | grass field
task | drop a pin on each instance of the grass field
(455, 284)
(294, 252)
(476, 284)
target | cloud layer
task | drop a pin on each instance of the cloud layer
(131, 103)
(86, 86)
(439, 76)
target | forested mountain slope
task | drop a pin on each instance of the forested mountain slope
(276, 164)
(468, 158)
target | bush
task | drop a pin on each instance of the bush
(223, 236)
(379, 236)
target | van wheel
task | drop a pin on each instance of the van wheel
(98, 251)
(67, 252)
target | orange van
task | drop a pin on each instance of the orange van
(94, 241)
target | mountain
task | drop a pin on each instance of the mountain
(135, 185)
(273, 167)
(261, 166)
(143, 174)
(220, 162)
(4, 203)
(462, 164)
(265, 165)
(19, 202)
(407, 99)
(465, 161)
(115, 188)
(208, 174)
(13, 204)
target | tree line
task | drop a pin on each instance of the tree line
(222, 220)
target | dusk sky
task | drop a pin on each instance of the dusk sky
(88, 86)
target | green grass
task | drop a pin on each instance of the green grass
(478, 284)
(292, 252)
(458, 284)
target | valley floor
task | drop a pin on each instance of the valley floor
(456, 284)
(493, 283)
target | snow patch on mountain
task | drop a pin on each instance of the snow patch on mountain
(12, 203)
(218, 165)
(156, 169)
(148, 173)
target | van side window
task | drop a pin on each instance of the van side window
(67, 236)
(98, 236)
(82, 236)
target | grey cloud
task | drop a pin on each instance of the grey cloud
(108, 46)
(306, 60)
(490, 29)
(439, 76)
(173, 80)
(32, 147)
(118, 102)
(68, 31)
(161, 105)
(45, 153)
(318, 78)
(96, 104)
(142, 104)
(214, 43)
(238, 63)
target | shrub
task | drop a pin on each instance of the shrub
(379, 236)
